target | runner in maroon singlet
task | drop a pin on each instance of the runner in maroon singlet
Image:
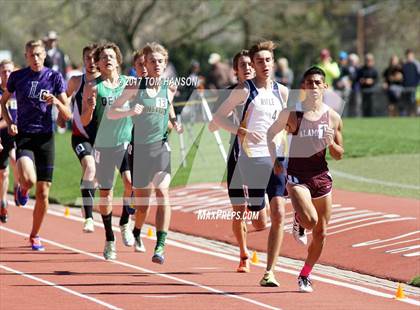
(314, 128)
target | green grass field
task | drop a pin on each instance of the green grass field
(381, 156)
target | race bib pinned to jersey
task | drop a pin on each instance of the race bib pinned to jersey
(161, 103)
(79, 148)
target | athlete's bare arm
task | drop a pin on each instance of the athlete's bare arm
(73, 84)
(172, 116)
(334, 136)
(88, 102)
(61, 101)
(130, 91)
(5, 113)
(273, 131)
(236, 98)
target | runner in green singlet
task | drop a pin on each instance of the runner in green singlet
(112, 139)
(151, 108)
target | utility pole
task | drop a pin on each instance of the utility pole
(361, 39)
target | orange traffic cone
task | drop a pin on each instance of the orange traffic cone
(400, 292)
(254, 258)
(150, 232)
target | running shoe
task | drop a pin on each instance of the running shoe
(269, 280)
(305, 284)
(243, 265)
(36, 244)
(139, 246)
(89, 225)
(21, 199)
(127, 235)
(158, 256)
(110, 252)
(299, 232)
(3, 213)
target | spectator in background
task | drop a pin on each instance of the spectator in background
(393, 80)
(330, 68)
(367, 77)
(56, 59)
(411, 78)
(354, 98)
(185, 91)
(196, 78)
(219, 75)
(342, 84)
(284, 75)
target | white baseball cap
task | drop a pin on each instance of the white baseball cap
(214, 58)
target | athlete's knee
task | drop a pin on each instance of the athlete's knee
(260, 224)
(4, 173)
(90, 171)
(105, 197)
(42, 191)
(162, 197)
(277, 215)
(142, 209)
(319, 234)
(162, 192)
(27, 183)
(311, 222)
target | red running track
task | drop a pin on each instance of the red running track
(371, 234)
(190, 278)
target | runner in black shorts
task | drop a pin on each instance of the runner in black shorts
(83, 137)
(244, 71)
(262, 99)
(37, 89)
(8, 143)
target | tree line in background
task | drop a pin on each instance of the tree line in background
(192, 29)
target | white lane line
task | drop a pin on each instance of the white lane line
(412, 254)
(360, 215)
(392, 244)
(383, 216)
(159, 296)
(191, 248)
(371, 242)
(65, 289)
(400, 250)
(117, 262)
(342, 214)
(207, 205)
(372, 181)
(296, 272)
(372, 223)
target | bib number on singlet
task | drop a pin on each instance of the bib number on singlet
(12, 104)
(274, 117)
(161, 103)
(79, 149)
